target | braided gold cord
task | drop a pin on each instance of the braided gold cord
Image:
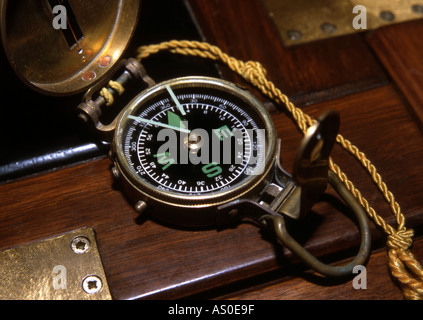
(108, 96)
(117, 87)
(402, 263)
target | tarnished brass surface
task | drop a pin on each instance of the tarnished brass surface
(62, 62)
(326, 269)
(302, 21)
(67, 267)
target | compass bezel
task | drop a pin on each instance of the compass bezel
(150, 193)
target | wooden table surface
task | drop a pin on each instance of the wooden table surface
(373, 79)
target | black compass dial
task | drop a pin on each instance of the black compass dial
(194, 138)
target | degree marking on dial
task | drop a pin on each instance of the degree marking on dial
(172, 94)
(160, 124)
(157, 115)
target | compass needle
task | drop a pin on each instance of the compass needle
(175, 100)
(226, 152)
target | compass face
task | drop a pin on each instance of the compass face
(195, 142)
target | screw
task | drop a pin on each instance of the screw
(328, 28)
(80, 245)
(92, 284)
(294, 35)
(387, 16)
(417, 8)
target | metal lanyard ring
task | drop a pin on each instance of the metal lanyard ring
(325, 269)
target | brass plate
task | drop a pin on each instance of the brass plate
(302, 21)
(67, 267)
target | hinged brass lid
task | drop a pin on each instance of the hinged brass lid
(60, 57)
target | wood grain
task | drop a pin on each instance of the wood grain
(144, 259)
(405, 63)
(309, 287)
(307, 73)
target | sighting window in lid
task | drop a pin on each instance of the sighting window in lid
(64, 50)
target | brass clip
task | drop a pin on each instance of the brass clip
(311, 176)
(294, 196)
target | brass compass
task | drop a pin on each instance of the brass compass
(192, 151)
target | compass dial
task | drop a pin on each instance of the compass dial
(195, 142)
